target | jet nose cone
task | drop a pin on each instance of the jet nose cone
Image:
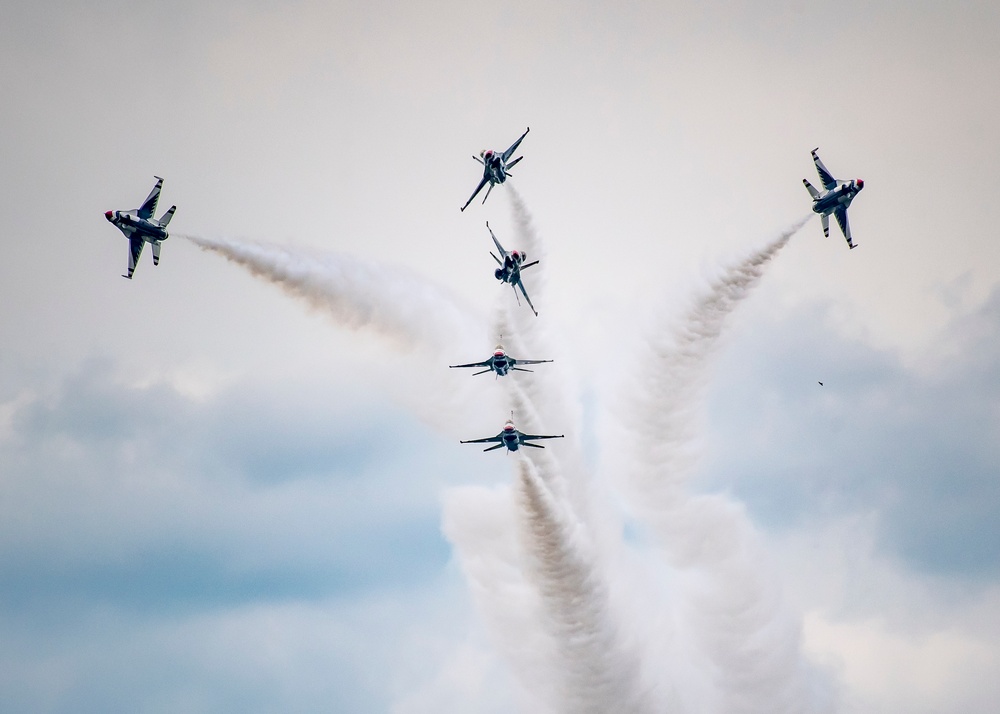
(861, 183)
(109, 215)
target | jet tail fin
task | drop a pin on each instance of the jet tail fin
(809, 187)
(156, 253)
(165, 219)
(826, 224)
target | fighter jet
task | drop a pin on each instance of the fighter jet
(140, 227)
(495, 167)
(835, 198)
(512, 438)
(501, 363)
(510, 268)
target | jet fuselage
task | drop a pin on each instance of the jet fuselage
(510, 271)
(511, 437)
(840, 197)
(495, 168)
(500, 364)
(129, 223)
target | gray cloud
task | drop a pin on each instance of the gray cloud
(130, 514)
(915, 445)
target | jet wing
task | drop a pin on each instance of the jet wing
(496, 242)
(513, 147)
(148, 207)
(845, 227)
(519, 284)
(526, 361)
(829, 182)
(135, 244)
(526, 437)
(487, 363)
(476, 192)
(484, 440)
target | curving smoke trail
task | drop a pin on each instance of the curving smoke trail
(731, 611)
(357, 294)
(414, 314)
(664, 415)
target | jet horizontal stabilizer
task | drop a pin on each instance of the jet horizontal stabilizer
(165, 219)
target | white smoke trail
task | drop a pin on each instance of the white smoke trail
(597, 671)
(731, 609)
(569, 539)
(665, 414)
(482, 525)
(423, 321)
(357, 294)
(552, 581)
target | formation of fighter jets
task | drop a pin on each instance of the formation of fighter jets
(140, 227)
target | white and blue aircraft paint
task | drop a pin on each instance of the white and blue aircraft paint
(140, 227)
(510, 268)
(501, 363)
(835, 198)
(495, 167)
(512, 438)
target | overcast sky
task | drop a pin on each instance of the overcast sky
(214, 497)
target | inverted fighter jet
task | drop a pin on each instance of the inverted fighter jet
(140, 227)
(835, 198)
(495, 167)
(510, 268)
(501, 363)
(511, 438)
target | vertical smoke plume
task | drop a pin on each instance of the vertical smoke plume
(568, 540)
(597, 674)
(731, 608)
(482, 524)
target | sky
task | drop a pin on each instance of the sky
(219, 493)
